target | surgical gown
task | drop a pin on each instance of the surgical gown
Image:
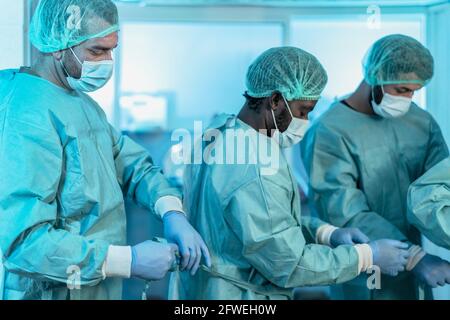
(64, 173)
(360, 167)
(429, 204)
(253, 227)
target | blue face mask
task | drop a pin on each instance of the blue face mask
(94, 74)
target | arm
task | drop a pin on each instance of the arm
(140, 179)
(333, 180)
(32, 243)
(437, 147)
(429, 204)
(310, 228)
(143, 182)
(273, 243)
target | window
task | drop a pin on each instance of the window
(199, 68)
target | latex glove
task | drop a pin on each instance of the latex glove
(390, 256)
(178, 230)
(347, 236)
(152, 260)
(432, 271)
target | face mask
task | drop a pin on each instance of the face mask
(94, 74)
(391, 106)
(294, 133)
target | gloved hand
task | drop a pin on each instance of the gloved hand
(347, 236)
(152, 260)
(178, 230)
(390, 255)
(432, 271)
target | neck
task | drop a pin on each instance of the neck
(361, 98)
(253, 117)
(46, 68)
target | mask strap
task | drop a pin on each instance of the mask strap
(287, 106)
(274, 119)
(76, 56)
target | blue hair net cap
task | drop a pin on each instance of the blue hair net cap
(295, 73)
(62, 24)
(398, 59)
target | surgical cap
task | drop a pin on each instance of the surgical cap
(295, 73)
(398, 59)
(62, 24)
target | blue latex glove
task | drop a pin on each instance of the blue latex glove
(432, 271)
(178, 230)
(152, 260)
(390, 256)
(347, 236)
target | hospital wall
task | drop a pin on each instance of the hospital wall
(12, 51)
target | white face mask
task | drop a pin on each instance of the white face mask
(391, 106)
(94, 74)
(294, 133)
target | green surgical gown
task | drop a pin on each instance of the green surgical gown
(252, 225)
(429, 204)
(64, 173)
(360, 167)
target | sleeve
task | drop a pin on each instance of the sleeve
(429, 204)
(33, 246)
(437, 147)
(141, 180)
(333, 186)
(310, 227)
(273, 243)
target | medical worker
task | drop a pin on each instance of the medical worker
(250, 215)
(64, 171)
(365, 151)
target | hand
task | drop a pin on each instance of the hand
(152, 260)
(432, 271)
(178, 230)
(390, 255)
(347, 236)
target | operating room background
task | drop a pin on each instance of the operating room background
(185, 61)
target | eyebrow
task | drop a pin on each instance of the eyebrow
(102, 48)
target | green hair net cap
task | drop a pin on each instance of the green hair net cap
(398, 59)
(295, 73)
(62, 24)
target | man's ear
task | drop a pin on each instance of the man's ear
(274, 100)
(58, 55)
(377, 94)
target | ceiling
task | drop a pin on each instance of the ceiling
(290, 3)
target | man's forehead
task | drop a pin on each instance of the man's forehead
(108, 42)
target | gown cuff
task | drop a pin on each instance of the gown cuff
(416, 253)
(167, 204)
(323, 234)
(365, 254)
(118, 262)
